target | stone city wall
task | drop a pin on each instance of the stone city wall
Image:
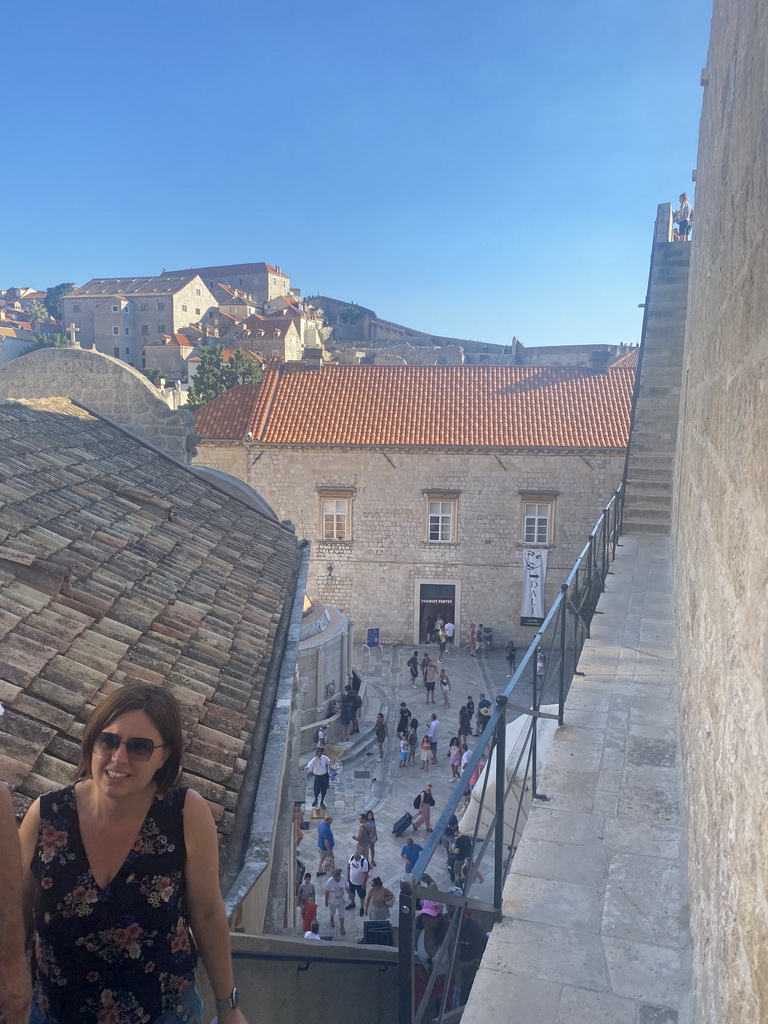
(721, 530)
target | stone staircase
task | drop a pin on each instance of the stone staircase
(653, 433)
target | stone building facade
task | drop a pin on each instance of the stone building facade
(405, 531)
(118, 315)
(259, 280)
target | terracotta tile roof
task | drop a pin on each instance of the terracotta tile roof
(428, 406)
(628, 361)
(231, 268)
(117, 564)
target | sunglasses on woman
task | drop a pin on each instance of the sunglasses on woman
(137, 747)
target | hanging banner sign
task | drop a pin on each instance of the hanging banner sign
(534, 576)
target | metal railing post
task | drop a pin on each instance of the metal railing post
(405, 947)
(501, 785)
(563, 614)
(606, 514)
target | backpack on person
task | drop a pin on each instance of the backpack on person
(429, 800)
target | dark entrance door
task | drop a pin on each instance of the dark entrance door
(436, 600)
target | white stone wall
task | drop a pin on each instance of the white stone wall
(721, 529)
(374, 575)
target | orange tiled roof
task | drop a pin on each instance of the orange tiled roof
(118, 564)
(428, 406)
(628, 361)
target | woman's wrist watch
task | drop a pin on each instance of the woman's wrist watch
(229, 1002)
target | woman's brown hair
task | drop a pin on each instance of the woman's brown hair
(159, 706)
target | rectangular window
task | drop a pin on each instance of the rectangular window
(75, 308)
(161, 328)
(144, 306)
(198, 292)
(183, 308)
(115, 309)
(115, 330)
(197, 310)
(127, 351)
(145, 328)
(440, 526)
(537, 516)
(126, 330)
(116, 352)
(335, 519)
(161, 305)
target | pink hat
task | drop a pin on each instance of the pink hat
(431, 908)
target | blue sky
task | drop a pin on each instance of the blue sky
(478, 171)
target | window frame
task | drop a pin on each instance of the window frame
(441, 498)
(338, 495)
(541, 500)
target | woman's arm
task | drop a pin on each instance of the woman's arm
(14, 973)
(206, 907)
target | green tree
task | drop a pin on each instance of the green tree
(214, 376)
(153, 374)
(49, 341)
(36, 312)
(52, 300)
(242, 368)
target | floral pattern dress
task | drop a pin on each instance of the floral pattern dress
(123, 954)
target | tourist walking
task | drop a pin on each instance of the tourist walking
(481, 641)
(424, 665)
(413, 740)
(403, 720)
(465, 724)
(318, 769)
(335, 898)
(429, 681)
(454, 757)
(404, 750)
(373, 835)
(381, 729)
(378, 901)
(413, 668)
(511, 655)
(422, 803)
(363, 838)
(471, 644)
(445, 687)
(410, 853)
(433, 731)
(450, 634)
(426, 752)
(357, 877)
(325, 844)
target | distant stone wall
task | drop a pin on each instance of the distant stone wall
(721, 528)
(375, 575)
(105, 386)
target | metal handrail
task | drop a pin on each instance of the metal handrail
(445, 985)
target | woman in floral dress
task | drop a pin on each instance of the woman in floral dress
(123, 869)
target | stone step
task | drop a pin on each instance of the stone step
(641, 485)
(644, 515)
(632, 526)
(649, 502)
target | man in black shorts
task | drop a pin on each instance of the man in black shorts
(413, 665)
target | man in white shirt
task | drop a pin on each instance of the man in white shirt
(432, 731)
(357, 876)
(318, 768)
(450, 631)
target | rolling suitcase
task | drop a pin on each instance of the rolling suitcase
(402, 824)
